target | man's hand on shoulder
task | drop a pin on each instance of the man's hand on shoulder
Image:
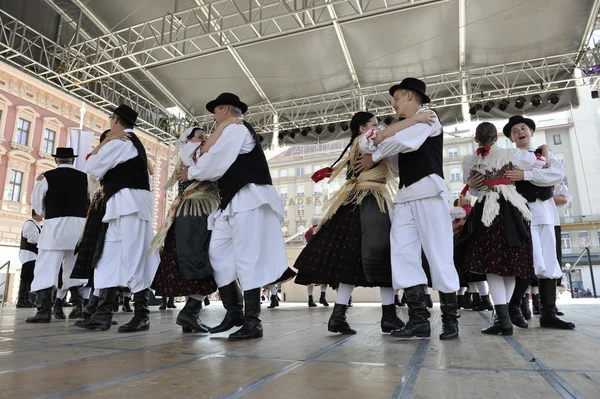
(40, 177)
(123, 136)
(182, 175)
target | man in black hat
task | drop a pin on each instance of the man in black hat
(246, 241)
(120, 163)
(30, 235)
(536, 186)
(421, 213)
(61, 196)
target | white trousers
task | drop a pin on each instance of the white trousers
(248, 246)
(47, 266)
(125, 260)
(426, 224)
(545, 261)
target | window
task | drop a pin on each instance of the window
(22, 132)
(455, 194)
(283, 192)
(452, 152)
(584, 239)
(283, 173)
(300, 191)
(14, 186)
(317, 190)
(274, 173)
(300, 210)
(48, 143)
(299, 171)
(455, 174)
(557, 139)
(319, 210)
(565, 240)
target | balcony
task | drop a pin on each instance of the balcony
(579, 219)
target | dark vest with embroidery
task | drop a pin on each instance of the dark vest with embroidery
(26, 245)
(132, 173)
(532, 192)
(67, 194)
(427, 160)
(247, 168)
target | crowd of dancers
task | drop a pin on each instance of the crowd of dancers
(389, 226)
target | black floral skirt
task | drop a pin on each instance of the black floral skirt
(89, 248)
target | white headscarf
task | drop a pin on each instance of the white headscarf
(183, 137)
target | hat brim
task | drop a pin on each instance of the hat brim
(424, 96)
(211, 105)
(62, 156)
(508, 127)
(126, 119)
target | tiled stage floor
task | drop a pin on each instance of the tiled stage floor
(298, 358)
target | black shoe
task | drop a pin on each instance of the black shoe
(44, 307)
(515, 307)
(91, 307)
(252, 327)
(558, 312)
(188, 317)
(126, 304)
(101, 320)
(206, 301)
(163, 303)
(516, 317)
(57, 310)
(274, 302)
(171, 303)
(23, 301)
(467, 301)
(322, 300)
(77, 301)
(525, 309)
(476, 301)
(450, 315)
(311, 302)
(418, 315)
(548, 317)
(389, 319)
(502, 324)
(141, 315)
(535, 304)
(428, 301)
(231, 297)
(337, 322)
(485, 304)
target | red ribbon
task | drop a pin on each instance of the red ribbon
(321, 174)
(483, 151)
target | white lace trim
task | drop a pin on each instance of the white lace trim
(491, 207)
(495, 160)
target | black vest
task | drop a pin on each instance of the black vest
(26, 245)
(427, 160)
(129, 174)
(67, 193)
(247, 168)
(532, 192)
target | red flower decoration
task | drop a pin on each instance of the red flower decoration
(483, 151)
(321, 174)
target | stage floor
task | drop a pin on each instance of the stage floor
(298, 358)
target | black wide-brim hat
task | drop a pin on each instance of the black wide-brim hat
(413, 84)
(226, 99)
(64, 152)
(515, 120)
(125, 113)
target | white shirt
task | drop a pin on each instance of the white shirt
(545, 212)
(404, 141)
(127, 201)
(31, 231)
(235, 140)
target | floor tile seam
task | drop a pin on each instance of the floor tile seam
(508, 369)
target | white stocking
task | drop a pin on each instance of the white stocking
(387, 295)
(309, 289)
(535, 290)
(323, 287)
(473, 288)
(482, 288)
(126, 294)
(85, 292)
(344, 292)
(462, 290)
(501, 288)
(427, 291)
(198, 297)
(273, 289)
(97, 292)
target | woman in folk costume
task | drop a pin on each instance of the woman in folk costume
(185, 268)
(351, 245)
(496, 239)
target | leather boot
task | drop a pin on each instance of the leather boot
(397, 301)
(23, 301)
(90, 307)
(274, 302)
(141, 315)
(403, 300)
(350, 302)
(311, 302)
(102, 318)
(428, 301)
(322, 300)
(476, 300)
(206, 301)
(188, 317)
(485, 304)
(231, 296)
(502, 324)
(525, 309)
(117, 300)
(171, 303)
(389, 319)
(450, 315)
(467, 301)
(535, 303)
(163, 303)
(558, 312)
(514, 306)
(337, 321)
(126, 304)
(57, 309)
(459, 300)
(77, 301)
(252, 327)
(44, 307)
(548, 317)
(418, 315)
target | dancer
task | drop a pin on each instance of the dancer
(246, 241)
(536, 187)
(120, 163)
(496, 240)
(30, 234)
(309, 288)
(562, 198)
(421, 216)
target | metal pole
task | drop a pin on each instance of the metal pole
(591, 270)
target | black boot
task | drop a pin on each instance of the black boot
(102, 317)
(548, 317)
(397, 301)
(558, 312)
(188, 317)
(171, 303)
(525, 309)
(428, 301)
(514, 306)
(90, 307)
(44, 307)
(450, 315)
(403, 300)
(467, 301)
(206, 301)
(418, 315)
(485, 304)
(502, 324)
(535, 303)
(337, 321)
(322, 300)
(389, 319)
(126, 304)
(274, 302)
(476, 301)
(57, 309)
(163, 303)
(231, 296)
(350, 302)
(77, 301)
(459, 300)
(311, 302)
(252, 327)
(23, 301)
(141, 315)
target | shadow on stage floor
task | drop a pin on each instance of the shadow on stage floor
(298, 358)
